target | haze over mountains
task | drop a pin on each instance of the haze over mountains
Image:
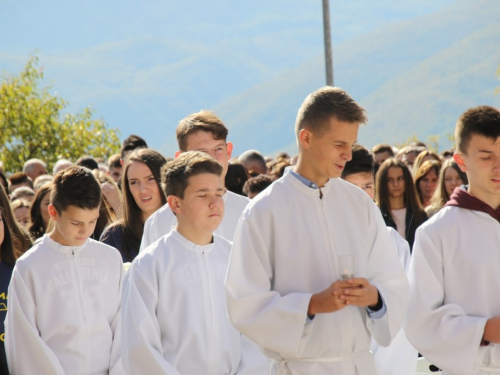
(414, 66)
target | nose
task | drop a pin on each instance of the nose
(347, 156)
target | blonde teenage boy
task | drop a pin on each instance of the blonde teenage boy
(174, 306)
(64, 296)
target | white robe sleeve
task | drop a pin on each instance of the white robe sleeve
(147, 233)
(253, 362)
(141, 338)
(441, 331)
(116, 364)
(254, 309)
(26, 352)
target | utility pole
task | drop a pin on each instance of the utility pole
(328, 43)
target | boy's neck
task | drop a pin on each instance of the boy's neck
(306, 170)
(397, 203)
(491, 200)
(194, 235)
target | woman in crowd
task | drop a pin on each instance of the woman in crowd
(110, 203)
(39, 214)
(20, 236)
(426, 180)
(450, 177)
(21, 210)
(424, 156)
(142, 196)
(397, 199)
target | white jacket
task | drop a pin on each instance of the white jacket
(63, 316)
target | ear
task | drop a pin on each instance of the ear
(460, 161)
(305, 137)
(174, 203)
(53, 212)
(177, 153)
(229, 146)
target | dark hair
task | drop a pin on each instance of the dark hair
(410, 195)
(447, 154)
(114, 161)
(19, 178)
(323, 104)
(361, 162)
(382, 147)
(20, 237)
(131, 143)
(236, 177)
(75, 186)
(188, 164)
(8, 253)
(87, 162)
(422, 171)
(205, 121)
(277, 170)
(257, 184)
(4, 182)
(131, 221)
(37, 226)
(483, 120)
(107, 215)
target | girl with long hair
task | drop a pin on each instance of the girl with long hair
(450, 177)
(39, 212)
(20, 236)
(396, 196)
(426, 180)
(142, 196)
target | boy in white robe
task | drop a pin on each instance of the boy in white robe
(201, 131)
(283, 284)
(64, 296)
(174, 301)
(400, 357)
(454, 314)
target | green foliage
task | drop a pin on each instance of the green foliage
(432, 141)
(32, 125)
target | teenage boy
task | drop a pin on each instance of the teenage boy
(202, 131)
(64, 296)
(454, 318)
(174, 306)
(400, 357)
(283, 284)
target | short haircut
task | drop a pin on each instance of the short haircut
(22, 192)
(257, 184)
(31, 163)
(326, 103)
(483, 120)
(383, 147)
(88, 162)
(253, 156)
(18, 179)
(61, 164)
(131, 143)
(75, 186)
(205, 121)
(188, 164)
(236, 177)
(114, 161)
(361, 162)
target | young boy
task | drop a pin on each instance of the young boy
(64, 296)
(454, 314)
(283, 286)
(174, 306)
(202, 131)
(400, 357)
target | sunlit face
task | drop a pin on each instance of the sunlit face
(144, 188)
(380, 157)
(482, 165)
(328, 153)
(202, 207)
(22, 215)
(74, 225)
(395, 182)
(428, 185)
(2, 229)
(363, 180)
(36, 170)
(217, 148)
(451, 180)
(44, 208)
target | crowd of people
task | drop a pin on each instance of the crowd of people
(337, 260)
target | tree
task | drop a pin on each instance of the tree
(32, 124)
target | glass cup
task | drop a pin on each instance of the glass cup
(346, 266)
